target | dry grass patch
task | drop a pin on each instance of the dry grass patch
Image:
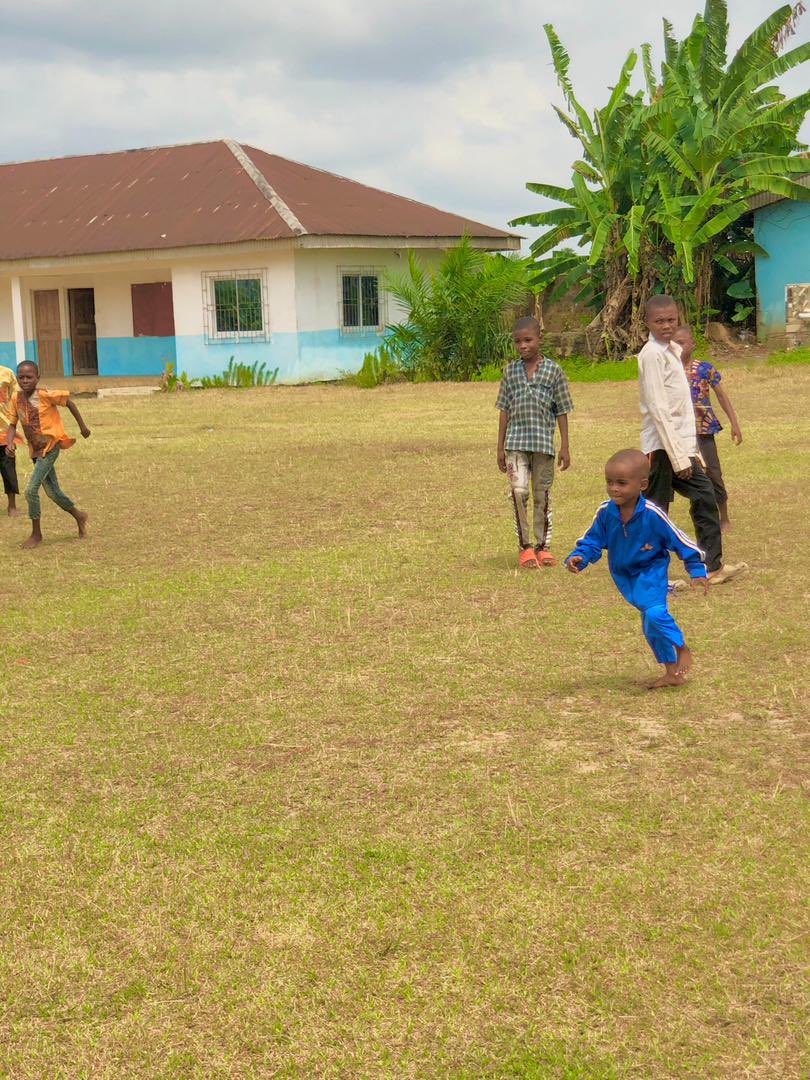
(302, 778)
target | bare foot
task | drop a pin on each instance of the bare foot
(81, 521)
(13, 512)
(667, 679)
(683, 664)
(31, 542)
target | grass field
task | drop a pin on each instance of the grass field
(302, 779)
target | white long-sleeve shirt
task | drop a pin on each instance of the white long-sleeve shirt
(667, 414)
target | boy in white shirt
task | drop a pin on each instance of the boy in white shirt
(669, 435)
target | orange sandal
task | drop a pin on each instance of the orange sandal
(528, 559)
(545, 558)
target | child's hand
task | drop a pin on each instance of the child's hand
(564, 459)
(502, 460)
(700, 583)
(10, 451)
(574, 564)
(685, 474)
(85, 431)
(736, 434)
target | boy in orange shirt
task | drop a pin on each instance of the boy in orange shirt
(38, 412)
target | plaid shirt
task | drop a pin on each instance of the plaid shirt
(533, 405)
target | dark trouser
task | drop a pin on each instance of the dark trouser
(8, 467)
(711, 463)
(702, 502)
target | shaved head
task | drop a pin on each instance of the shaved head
(633, 460)
(528, 322)
(656, 303)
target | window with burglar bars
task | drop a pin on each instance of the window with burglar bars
(361, 300)
(235, 306)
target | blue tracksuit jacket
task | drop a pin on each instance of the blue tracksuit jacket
(638, 557)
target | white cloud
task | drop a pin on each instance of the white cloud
(446, 103)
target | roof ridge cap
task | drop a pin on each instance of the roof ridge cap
(264, 186)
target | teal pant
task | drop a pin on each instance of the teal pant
(44, 476)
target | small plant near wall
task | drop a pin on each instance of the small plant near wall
(170, 381)
(379, 367)
(240, 375)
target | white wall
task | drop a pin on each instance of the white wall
(188, 291)
(317, 282)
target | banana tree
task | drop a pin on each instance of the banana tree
(665, 175)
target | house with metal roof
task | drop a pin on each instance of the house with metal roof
(119, 264)
(782, 229)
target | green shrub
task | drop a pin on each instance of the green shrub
(458, 317)
(585, 369)
(170, 381)
(241, 375)
(489, 373)
(379, 368)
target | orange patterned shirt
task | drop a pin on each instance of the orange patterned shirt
(8, 385)
(40, 419)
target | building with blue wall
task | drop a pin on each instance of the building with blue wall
(782, 228)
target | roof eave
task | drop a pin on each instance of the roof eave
(157, 256)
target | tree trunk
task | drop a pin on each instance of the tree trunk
(618, 290)
(704, 282)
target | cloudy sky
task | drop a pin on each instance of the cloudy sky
(447, 101)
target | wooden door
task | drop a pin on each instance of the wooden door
(49, 332)
(82, 304)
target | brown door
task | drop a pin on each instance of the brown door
(82, 304)
(49, 332)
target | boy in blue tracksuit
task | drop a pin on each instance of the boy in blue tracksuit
(639, 537)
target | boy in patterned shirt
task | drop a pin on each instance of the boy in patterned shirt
(703, 378)
(533, 399)
(38, 412)
(8, 462)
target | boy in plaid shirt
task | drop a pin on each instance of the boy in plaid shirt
(534, 399)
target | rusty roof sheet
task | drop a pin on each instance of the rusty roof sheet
(168, 197)
(198, 194)
(331, 205)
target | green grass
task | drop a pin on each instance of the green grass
(800, 355)
(302, 778)
(584, 369)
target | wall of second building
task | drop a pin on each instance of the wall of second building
(783, 230)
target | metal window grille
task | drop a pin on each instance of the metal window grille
(361, 300)
(235, 305)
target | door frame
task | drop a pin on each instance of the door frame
(71, 326)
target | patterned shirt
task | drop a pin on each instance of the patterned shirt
(40, 419)
(8, 385)
(533, 405)
(703, 377)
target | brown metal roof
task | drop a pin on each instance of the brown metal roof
(199, 194)
(330, 205)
